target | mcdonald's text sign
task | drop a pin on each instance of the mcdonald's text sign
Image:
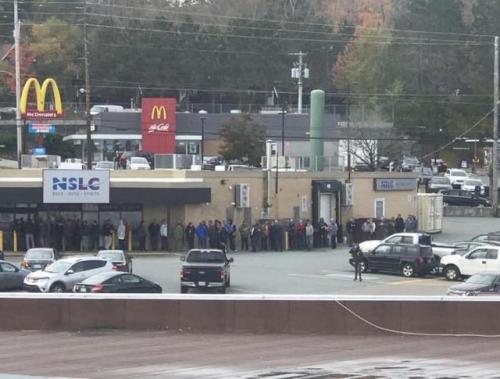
(158, 125)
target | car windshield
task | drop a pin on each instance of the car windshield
(139, 160)
(458, 173)
(59, 266)
(111, 255)
(105, 165)
(440, 180)
(474, 182)
(38, 254)
(199, 256)
(485, 279)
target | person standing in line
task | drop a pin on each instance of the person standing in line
(154, 235)
(211, 234)
(201, 235)
(334, 228)
(300, 234)
(309, 235)
(366, 229)
(323, 233)
(140, 233)
(382, 229)
(107, 232)
(164, 235)
(399, 224)
(179, 237)
(291, 235)
(94, 236)
(373, 229)
(121, 234)
(357, 258)
(255, 236)
(29, 230)
(277, 236)
(264, 231)
(85, 236)
(351, 232)
(190, 233)
(244, 234)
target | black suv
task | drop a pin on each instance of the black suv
(405, 259)
(464, 198)
(205, 269)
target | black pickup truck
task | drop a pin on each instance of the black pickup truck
(205, 269)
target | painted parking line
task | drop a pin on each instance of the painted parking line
(330, 276)
(419, 282)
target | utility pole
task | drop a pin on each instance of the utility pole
(17, 42)
(90, 147)
(299, 72)
(283, 130)
(494, 174)
(349, 168)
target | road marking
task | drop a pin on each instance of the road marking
(329, 276)
(417, 281)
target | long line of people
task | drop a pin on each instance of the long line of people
(263, 235)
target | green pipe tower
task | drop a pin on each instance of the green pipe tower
(316, 129)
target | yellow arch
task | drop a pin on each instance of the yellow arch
(40, 94)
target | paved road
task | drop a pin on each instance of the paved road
(117, 354)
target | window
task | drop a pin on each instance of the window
(395, 240)
(397, 250)
(492, 254)
(411, 251)
(407, 240)
(478, 254)
(382, 250)
(6, 267)
(92, 265)
(78, 267)
(130, 279)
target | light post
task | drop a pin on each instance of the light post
(203, 117)
(283, 114)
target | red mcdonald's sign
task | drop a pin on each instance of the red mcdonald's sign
(158, 125)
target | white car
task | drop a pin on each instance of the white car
(471, 184)
(457, 177)
(104, 165)
(138, 163)
(439, 183)
(96, 109)
(63, 274)
(480, 259)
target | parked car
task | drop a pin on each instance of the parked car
(474, 185)
(11, 276)
(63, 274)
(121, 260)
(457, 177)
(116, 282)
(138, 163)
(96, 109)
(205, 269)
(72, 164)
(477, 284)
(409, 164)
(408, 260)
(492, 237)
(38, 258)
(464, 198)
(480, 259)
(424, 175)
(104, 165)
(439, 164)
(439, 183)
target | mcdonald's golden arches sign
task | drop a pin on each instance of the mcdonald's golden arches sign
(39, 112)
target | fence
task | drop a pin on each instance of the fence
(176, 161)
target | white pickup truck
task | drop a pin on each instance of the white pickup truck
(480, 259)
(439, 250)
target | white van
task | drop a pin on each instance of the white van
(96, 109)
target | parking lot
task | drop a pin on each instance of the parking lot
(316, 272)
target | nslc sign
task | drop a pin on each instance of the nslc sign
(75, 186)
(158, 125)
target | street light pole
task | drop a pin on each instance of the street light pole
(349, 169)
(88, 117)
(202, 147)
(17, 43)
(494, 173)
(283, 130)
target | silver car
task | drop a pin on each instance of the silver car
(63, 274)
(11, 276)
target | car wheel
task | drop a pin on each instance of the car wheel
(57, 287)
(407, 270)
(184, 289)
(452, 273)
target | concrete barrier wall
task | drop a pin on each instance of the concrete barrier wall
(252, 314)
(456, 211)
